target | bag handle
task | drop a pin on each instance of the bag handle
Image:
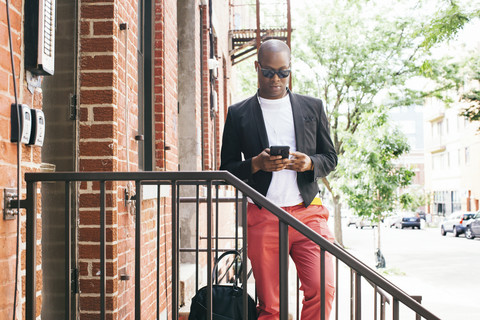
(226, 253)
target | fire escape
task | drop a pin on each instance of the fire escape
(256, 21)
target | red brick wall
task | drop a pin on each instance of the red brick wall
(165, 85)
(108, 98)
(30, 157)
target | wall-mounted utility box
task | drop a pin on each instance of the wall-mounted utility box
(39, 25)
(38, 128)
(24, 112)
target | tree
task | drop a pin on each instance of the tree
(444, 27)
(351, 54)
(369, 178)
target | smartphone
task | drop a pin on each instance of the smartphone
(280, 151)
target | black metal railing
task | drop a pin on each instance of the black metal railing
(210, 181)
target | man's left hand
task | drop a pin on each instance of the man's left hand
(300, 162)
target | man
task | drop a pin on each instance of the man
(276, 116)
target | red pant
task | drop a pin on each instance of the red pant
(263, 254)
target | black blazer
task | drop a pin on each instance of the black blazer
(245, 133)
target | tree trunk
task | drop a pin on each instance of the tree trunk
(337, 208)
(378, 235)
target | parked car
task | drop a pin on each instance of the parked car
(352, 220)
(363, 222)
(422, 214)
(455, 223)
(407, 220)
(390, 221)
(472, 227)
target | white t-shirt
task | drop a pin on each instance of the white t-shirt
(278, 117)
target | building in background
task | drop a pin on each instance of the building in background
(410, 122)
(452, 157)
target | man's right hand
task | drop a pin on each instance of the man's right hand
(268, 163)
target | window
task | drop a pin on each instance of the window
(459, 157)
(439, 128)
(467, 155)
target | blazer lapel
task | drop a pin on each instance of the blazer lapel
(298, 122)
(259, 122)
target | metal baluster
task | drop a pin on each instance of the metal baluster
(298, 297)
(216, 229)
(158, 251)
(236, 230)
(336, 288)
(31, 252)
(68, 252)
(102, 250)
(396, 309)
(358, 296)
(352, 306)
(244, 257)
(283, 260)
(138, 250)
(175, 248)
(322, 283)
(197, 237)
(209, 251)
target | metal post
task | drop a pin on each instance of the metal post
(197, 237)
(283, 264)
(244, 257)
(358, 296)
(352, 306)
(336, 288)
(216, 228)
(102, 251)
(396, 309)
(31, 252)
(158, 251)
(209, 250)
(175, 248)
(68, 253)
(138, 250)
(322, 284)
(419, 300)
(298, 297)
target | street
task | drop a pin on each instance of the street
(443, 270)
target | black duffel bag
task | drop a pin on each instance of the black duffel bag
(227, 300)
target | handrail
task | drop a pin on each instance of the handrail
(167, 177)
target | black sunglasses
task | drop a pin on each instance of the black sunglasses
(270, 73)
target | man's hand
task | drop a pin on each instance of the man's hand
(300, 162)
(264, 161)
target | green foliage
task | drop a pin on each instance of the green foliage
(448, 22)
(369, 176)
(412, 200)
(472, 112)
(445, 25)
(350, 54)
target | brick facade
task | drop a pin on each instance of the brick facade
(30, 158)
(107, 89)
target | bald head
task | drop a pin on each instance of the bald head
(272, 46)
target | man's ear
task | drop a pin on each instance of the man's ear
(256, 66)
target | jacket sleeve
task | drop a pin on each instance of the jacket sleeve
(325, 158)
(231, 152)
